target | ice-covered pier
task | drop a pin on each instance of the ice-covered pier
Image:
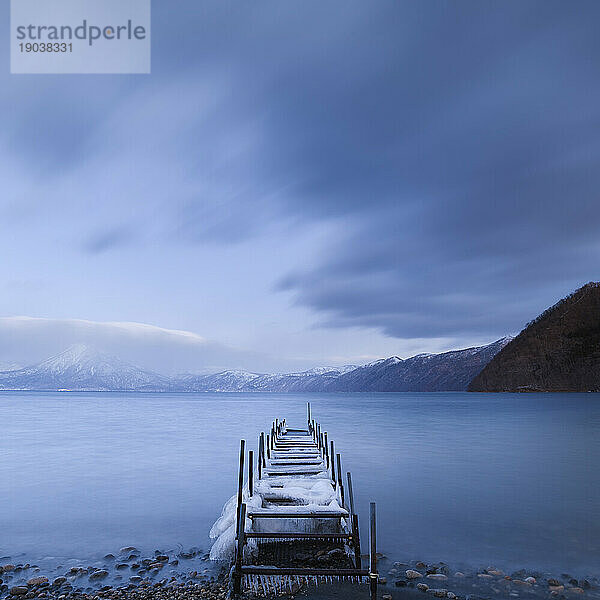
(293, 520)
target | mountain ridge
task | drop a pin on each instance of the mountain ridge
(80, 368)
(558, 351)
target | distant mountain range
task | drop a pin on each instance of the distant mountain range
(559, 351)
(80, 368)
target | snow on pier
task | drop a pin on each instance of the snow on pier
(292, 520)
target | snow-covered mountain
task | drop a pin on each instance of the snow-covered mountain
(82, 368)
(226, 381)
(447, 372)
(244, 381)
(314, 380)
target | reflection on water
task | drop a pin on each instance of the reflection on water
(471, 479)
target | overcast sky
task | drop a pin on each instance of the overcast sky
(304, 182)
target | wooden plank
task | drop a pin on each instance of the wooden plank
(295, 463)
(291, 453)
(290, 473)
(295, 444)
(267, 570)
(298, 515)
(299, 536)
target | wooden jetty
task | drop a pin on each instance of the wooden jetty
(295, 504)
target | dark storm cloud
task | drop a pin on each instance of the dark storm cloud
(453, 146)
(456, 146)
(464, 160)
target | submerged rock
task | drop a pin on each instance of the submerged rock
(19, 590)
(411, 574)
(100, 574)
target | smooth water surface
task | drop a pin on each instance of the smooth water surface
(470, 479)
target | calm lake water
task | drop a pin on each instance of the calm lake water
(470, 479)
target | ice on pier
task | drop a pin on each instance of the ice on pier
(223, 531)
(300, 493)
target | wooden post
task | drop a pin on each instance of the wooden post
(373, 553)
(340, 478)
(260, 462)
(251, 472)
(237, 578)
(332, 462)
(268, 447)
(239, 555)
(356, 540)
(350, 492)
(326, 451)
(262, 449)
(308, 413)
(241, 472)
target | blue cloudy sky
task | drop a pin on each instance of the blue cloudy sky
(304, 182)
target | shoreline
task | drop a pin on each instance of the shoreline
(191, 574)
